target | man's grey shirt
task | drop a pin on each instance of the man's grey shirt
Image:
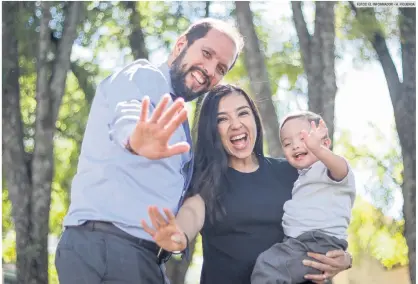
(319, 203)
(111, 184)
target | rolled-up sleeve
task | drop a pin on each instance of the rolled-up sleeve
(124, 98)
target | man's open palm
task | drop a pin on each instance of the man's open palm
(150, 136)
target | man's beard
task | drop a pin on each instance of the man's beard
(178, 79)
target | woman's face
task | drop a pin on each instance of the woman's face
(236, 126)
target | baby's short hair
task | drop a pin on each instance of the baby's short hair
(305, 114)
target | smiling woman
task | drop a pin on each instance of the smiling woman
(230, 134)
(237, 129)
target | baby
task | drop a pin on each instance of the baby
(317, 216)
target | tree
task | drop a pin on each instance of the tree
(371, 231)
(260, 82)
(318, 56)
(29, 174)
(136, 38)
(403, 97)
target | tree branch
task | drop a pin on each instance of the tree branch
(379, 44)
(136, 38)
(62, 62)
(82, 76)
(305, 38)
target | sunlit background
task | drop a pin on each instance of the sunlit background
(365, 131)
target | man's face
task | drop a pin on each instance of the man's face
(199, 67)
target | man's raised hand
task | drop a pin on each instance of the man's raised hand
(151, 135)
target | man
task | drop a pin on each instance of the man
(129, 160)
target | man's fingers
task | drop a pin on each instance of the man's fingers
(316, 278)
(178, 148)
(168, 115)
(317, 265)
(147, 229)
(324, 259)
(159, 109)
(144, 109)
(335, 253)
(175, 122)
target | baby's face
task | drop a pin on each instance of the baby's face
(293, 146)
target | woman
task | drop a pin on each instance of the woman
(236, 197)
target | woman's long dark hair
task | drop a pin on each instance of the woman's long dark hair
(211, 159)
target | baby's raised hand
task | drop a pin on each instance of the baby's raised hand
(313, 139)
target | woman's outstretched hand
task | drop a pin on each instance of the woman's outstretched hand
(165, 231)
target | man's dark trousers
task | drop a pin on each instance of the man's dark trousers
(88, 255)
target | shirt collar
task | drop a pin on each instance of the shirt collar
(165, 69)
(301, 172)
(304, 171)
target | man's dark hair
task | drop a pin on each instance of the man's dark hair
(200, 28)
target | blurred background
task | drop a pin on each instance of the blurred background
(356, 66)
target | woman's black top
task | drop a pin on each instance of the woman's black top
(253, 205)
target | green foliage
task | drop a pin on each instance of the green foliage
(8, 233)
(7, 220)
(373, 233)
(52, 272)
(9, 247)
(238, 75)
(370, 231)
(354, 33)
(161, 22)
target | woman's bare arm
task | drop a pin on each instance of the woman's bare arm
(191, 216)
(170, 231)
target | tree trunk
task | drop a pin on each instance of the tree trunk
(260, 82)
(16, 172)
(405, 117)
(30, 187)
(43, 156)
(403, 97)
(136, 38)
(318, 56)
(207, 9)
